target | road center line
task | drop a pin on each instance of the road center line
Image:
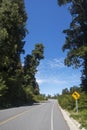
(13, 117)
(52, 117)
(18, 115)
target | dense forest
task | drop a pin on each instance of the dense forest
(17, 81)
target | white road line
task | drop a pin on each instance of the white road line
(52, 117)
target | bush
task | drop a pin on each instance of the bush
(66, 101)
(83, 101)
(29, 94)
(3, 90)
(39, 98)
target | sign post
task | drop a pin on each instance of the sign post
(76, 96)
(76, 105)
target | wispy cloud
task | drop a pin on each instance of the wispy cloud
(54, 76)
(56, 63)
(50, 80)
(41, 81)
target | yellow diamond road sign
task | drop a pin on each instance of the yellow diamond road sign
(76, 95)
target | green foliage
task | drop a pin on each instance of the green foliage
(39, 98)
(75, 88)
(65, 91)
(3, 88)
(17, 83)
(67, 102)
(3, 91)
(63, 2)
(84, 76)
(30, 67)
(29, 94)
(12, 30)
(81, 117)
(83, 101)
(76, 37)
(38, 52)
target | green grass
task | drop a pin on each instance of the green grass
(67, 102)
(81, 117)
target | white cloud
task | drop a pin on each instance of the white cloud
(52, 80)
(40, 81)
(53, 76)
(51, 67)
(62, 81)
(59, 81)
(56, 63)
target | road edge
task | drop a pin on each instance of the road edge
(72, 123)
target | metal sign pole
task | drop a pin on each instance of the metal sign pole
(76, 105)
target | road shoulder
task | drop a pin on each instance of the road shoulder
(73, 124)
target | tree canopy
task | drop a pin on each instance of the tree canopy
(76, 37)
(17, 83)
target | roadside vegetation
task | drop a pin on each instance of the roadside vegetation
(75, 46)
(68, 103)
(18, 84)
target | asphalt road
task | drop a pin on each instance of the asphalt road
(43, 116)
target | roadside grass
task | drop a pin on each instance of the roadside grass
(81, 117)
(68, 103)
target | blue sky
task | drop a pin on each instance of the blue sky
(46, 21)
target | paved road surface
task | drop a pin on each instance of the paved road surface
(44, 116)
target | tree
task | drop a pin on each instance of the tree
(38, 52)
(31, 63)
(65, 91)
(76, 37)
(75, 88)
(3, 90)
(12, 32)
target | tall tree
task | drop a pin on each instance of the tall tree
(76, 37)
(30, 67)
(12, 32)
